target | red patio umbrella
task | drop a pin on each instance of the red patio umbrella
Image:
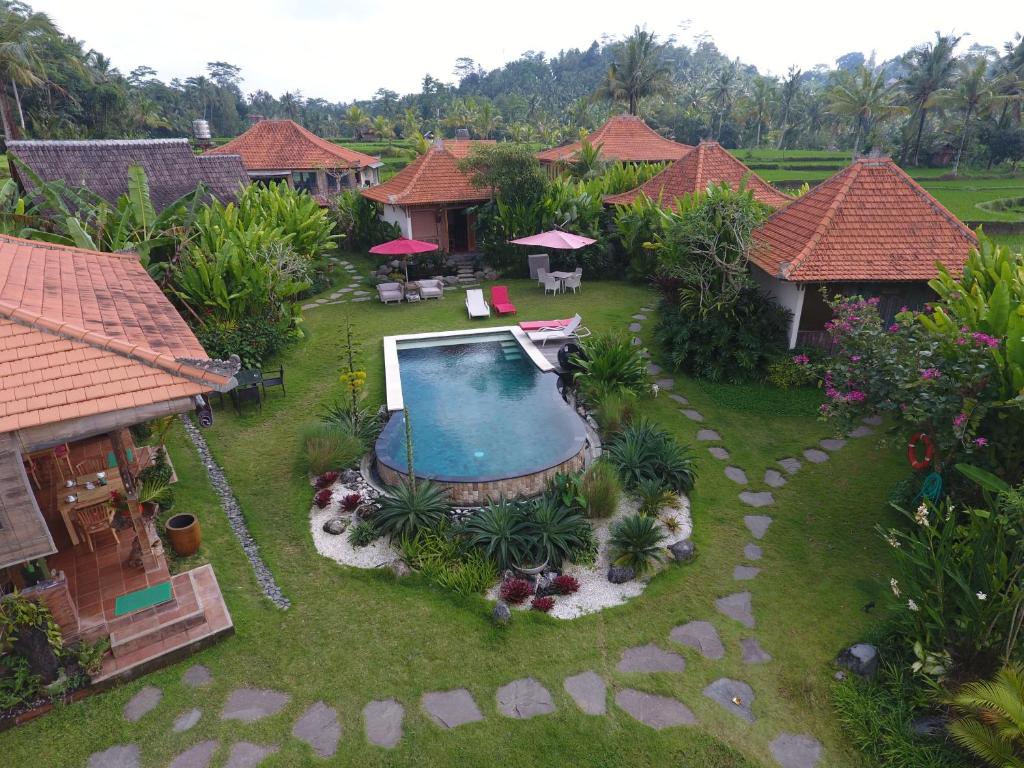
(403, 246)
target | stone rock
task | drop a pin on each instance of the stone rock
(861, 659)
(861, 431)
(399, 568)
(733, 696)
(620, 574)
(665, 383)
(635, 327)
(792, 466)
(744, 572)
(252, 704)
(636, 341)
(737, 475)
(752, 651)
(653, 369)
(757, 525)
(450, 709)
(679, 399)
(187, 720)
(832, 444)
(382, 722)
(873, 421)
(774, 478)
(197, 676)
(646, 309)
(929, 726)
(737, 607)
(121, 756)
(757, 499)
(589, 692)
(639, 317)
(701, 635)
(350, 476)
(839, 675)
(198, 756)
(752, 552)
(815, 456)
(33, 645)
(501, 614)
(319, 727)
(692, 415)
(361, 298)
(792, 750)
(708, 435)
(142, 703)
(650, 658)
(719, 452)
(523, 699)
(245, 754)
(683, 551)
(658, 712)
(335, 525)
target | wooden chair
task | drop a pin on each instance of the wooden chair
(33, 471)
(62, 456)
(89, 467)
(95, 519)
(273, 379)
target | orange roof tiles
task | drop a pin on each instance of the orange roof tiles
(625, 138)
(869, 222)
(284, 145)
(707, 163)
(430, 179)
(83, 332)
(462, 147)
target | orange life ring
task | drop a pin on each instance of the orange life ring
(929, 451)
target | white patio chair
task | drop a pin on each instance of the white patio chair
(552, 284)
(542, 275)
(388, 292)
(431, 289)
(475, 304)
(574, 282)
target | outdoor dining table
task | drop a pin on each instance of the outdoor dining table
(561, 276)
(86, 497)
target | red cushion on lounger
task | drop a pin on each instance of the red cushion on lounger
(500, 300)
(504, 309)
(536, 325)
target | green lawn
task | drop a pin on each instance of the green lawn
(354, 636)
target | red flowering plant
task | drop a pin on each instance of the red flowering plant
(327, 479)
(516, 591)
(351, 501)
(322, 498)
(542, 604)
(565, 584)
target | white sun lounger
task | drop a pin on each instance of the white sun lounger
(475, 304)
(565, 333)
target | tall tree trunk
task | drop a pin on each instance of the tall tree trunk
(782, 128)
(632, 103)
(10, 129)
(758, 145)
(856, 141)
(963, 141)
(920, 130)
(17, 100)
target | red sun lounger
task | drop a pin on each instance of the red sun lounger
(500, 301)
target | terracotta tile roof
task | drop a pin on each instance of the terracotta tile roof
(284, 145)
(171, 167)
(431, 178)
(624, 137)
(83, 332)
(869, 222)
(462, 147)
(707, 163)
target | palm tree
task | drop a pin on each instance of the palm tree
(861, 96)
(21, 34)
(991, 724)
(722, 92)
(973, 94)
(383, 128)
(639, 70)
(787, 98)
(760, 104)
(930, 69)
(357, 120)
(486, 120)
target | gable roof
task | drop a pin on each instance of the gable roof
(707, 163)
(869, 222)
(284, 145)
(171, 167)
(83, 332)
(625, 138)
(431, 178)
(462, 147)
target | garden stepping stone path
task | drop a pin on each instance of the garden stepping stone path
(815, 456)
(832, 444)
(245, 754)
(693, 415)
(634, 327)
(737, 475)
(252, 704)
(861, 431)
(708, 435)
(658, 712)
(733, 696)
(198, 756)
(752, 552)
(382, 722)
(752, 651)
(197, 676)
(450, 709)
(187, 720)
(650, 658)
(588, 691)
(792, 466)
(774, 478)
(639, 317)
(873, 421)
(653, 369)
(757, 525)
(701, 635)
(523, 699)
(719, 453)
(142, 703)
(792, 750)
(757, 498)
(737, 607)
(319, 728)
(744, 572)
(122, 756)
(679, 399)
(665, 383)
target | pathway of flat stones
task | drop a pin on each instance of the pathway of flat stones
(383, 720)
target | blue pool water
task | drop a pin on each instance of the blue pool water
(480, 411)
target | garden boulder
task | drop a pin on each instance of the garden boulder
(861, 659)
(335, 526)
(620, 574)
(502, 614)
(683, 551)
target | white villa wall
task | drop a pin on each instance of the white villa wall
(395, 214)
(789, 295)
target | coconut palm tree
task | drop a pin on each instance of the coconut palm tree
(383, 128)
(723, 92)
(991, 723)
(930, 70)
(21, 36)
(760, 105)
(787, 100)
(861, 96)
(357, 120)
(639, 70)
(973, 94)
(486, 121)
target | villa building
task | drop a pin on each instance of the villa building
(624, 138)
(869, 230)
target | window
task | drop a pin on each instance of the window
(304, 181)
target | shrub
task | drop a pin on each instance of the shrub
(654, 496)
(600, 486)
(254, 339)
(610, 364)
(471, 574)
(408, 508)
(991, 722)
(326, 447)
(350, 501)
(792, 372)
(635, 542)
(363, 533)
(566, 488)
(542, 604)
(503, 532)
(586, 555)
(565, 584)
(326, 480)
(612, 410)
(323, 498)
(515, 591)
(643, 451)
(357, 219)
(360, 422)
(556, 531)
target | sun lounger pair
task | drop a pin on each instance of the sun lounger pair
(475, 304)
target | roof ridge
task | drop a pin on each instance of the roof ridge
(125, 255)
(929, 198)
(699, 170)
(15, 143)
(826, 221)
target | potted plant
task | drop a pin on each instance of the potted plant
(184, 533)
(153, 492)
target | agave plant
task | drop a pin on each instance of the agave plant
(654, 496)
(635, 542)
(408, 508)
(557, 531)
(991, 722)
(643, 451)
(502, 531)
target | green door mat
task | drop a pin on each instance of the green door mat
(143, 598)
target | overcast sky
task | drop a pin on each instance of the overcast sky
(342, 50)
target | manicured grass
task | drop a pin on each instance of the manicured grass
(353, 636)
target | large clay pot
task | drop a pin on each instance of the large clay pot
(184, 533)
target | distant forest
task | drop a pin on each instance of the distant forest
(938, 103)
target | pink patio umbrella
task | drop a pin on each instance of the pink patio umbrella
(556, 239)
(403, 246)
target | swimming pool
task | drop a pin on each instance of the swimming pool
(486, 420)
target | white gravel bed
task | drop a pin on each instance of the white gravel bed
(338, 548)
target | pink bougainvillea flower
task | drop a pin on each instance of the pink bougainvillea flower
(931, 373)
(959, 419)
(855, 358)
(980, 442)
(801, 359)
(984, 338)
(894, 327)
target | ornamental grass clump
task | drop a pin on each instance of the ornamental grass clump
(325, 447)
(636, 542)
(602, 489)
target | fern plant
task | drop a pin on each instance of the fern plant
(991, 722)
(635, 542)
